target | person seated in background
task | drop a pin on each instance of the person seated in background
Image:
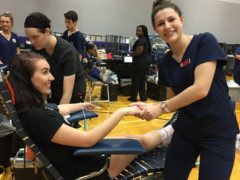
(72, 34)
(236, 68)
(31, 79)
(91, 57)
(92, 53)
(93, 66)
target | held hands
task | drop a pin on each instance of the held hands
(148, 111)
(151, 111)
(141, 107)
(131, 111)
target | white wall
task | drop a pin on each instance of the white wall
(120, 17)
(215, 16)
(100, 17)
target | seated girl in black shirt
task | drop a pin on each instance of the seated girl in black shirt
(31, 79)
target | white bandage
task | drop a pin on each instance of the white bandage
(166, 134)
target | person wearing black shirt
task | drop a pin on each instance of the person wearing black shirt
(141, 53)
(70, 83)
(31, 79)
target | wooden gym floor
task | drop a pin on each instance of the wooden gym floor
(133, 125)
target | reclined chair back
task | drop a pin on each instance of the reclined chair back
(8, 103)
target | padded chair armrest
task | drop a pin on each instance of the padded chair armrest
(112, 146)
(81, 115)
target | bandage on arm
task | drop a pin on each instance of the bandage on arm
(166, 134)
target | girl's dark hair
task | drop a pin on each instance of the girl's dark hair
(162, 4)
(37, 20)
(89, 46)
(145, 34)
(21, 70)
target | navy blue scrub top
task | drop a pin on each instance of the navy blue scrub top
(237, 62)
(211, 117)
(8, 48)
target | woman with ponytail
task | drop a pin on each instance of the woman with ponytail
(196, 85)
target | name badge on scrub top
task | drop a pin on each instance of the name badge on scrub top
(185, 62)
(14, 40)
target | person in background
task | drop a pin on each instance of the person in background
(72, 34)
(31, 79)
(91, 57)
(9, 44)
(70, 83)
(9, 47)
(196, 85)
(236, 67)
(141, 52)
(91, 52)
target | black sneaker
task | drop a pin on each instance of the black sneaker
(132, 99)
(143, 99)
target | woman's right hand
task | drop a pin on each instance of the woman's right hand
(140, 105)
(151, 111)
(88, 106)
(148, 111)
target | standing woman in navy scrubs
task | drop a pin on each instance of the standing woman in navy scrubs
(9, 44)
(196, 87)
(9, 47)
(141, 53)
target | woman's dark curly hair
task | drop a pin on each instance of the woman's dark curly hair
(22, 69)
(145, 34)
